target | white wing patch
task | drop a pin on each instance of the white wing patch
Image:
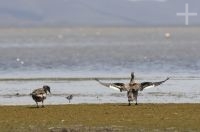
(113, 87)
(42, 95)
(151, 86)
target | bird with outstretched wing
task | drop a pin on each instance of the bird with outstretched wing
(132, 88)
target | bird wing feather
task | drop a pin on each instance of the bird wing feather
(115, 86)
(39, 91)
(148, 85)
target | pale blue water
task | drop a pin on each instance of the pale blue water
(99, 52)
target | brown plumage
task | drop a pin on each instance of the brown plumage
(132, 88)
(39, 95)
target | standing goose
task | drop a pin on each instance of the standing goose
(132, 88)
(39, 95)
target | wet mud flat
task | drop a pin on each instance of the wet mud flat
(100, 117)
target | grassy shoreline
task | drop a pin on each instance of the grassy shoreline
(101, 117)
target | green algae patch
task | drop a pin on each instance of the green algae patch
(101, 117)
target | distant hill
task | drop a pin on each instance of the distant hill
(25, 13)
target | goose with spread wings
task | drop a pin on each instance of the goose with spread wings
(132, 87)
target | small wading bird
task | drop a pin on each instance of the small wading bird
(69, 97)
(39, 95)
(132, 88)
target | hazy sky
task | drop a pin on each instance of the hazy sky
(96, 12)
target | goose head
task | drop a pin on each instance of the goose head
(46, 88)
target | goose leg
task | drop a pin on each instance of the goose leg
(129, 103)
(43, 101)
(130, 97)
(42, 104)
(37, 104)
(136, 101)
(135, 94)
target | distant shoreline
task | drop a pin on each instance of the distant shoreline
(92, 78)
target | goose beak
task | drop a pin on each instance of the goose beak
(49, 91)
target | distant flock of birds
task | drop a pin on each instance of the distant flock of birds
(132, 88)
